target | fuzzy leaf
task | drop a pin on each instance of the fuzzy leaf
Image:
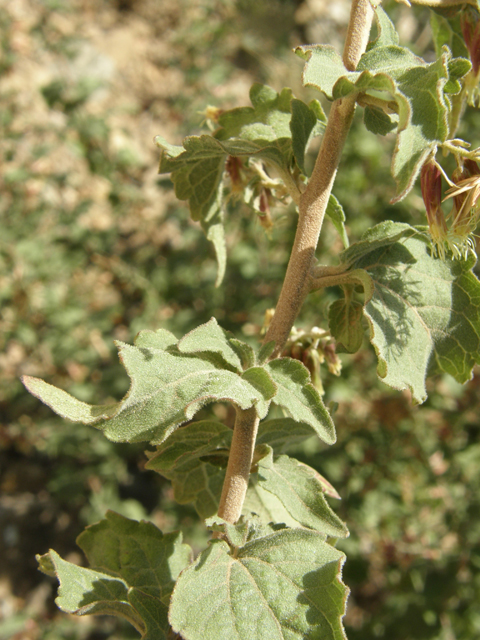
(265, 505)
(275, 130)
(345, 323)
(297, 487)
(137, 552)
(417, 88)
(286, 585)
(84, 591)
(184, 459)
(154, 615)
(283, 433)
(299, 398)
(134, 568)
(305, 124)
(424, 314)
(211, 338)
(337, 216)
(168, 387)
(377, 121)
(324, 67)
(387, 34)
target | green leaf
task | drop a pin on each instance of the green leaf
(244, 352)
(297, 487)
(304, 125)
(265, 352)
(154, 615)
(387, 33)
(299, 398)
(447, 32)
(265, 505)
(136, 552)
(197, 174)
(134, 568)
(211, 338)
(283, 433)
(286, 585)
(345, 323)
(381, 235)
(184, 459)
(337, 216)
(425, 312)
(275, 130)
(377, 121)
(237, 534)
(168, 387)
(261, 380)
(417, 88)
(324, 67)
(84, 591)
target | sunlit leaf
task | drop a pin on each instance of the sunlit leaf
(286, 585)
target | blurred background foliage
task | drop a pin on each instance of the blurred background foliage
(94, 247)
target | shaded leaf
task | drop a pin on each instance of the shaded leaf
(283, 433)
(184, 459)
(137, 552)
(345, 323)
(377, 121)
(285, 585)
(303, 125)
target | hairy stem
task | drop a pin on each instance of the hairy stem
(314, 200)
(312, 205)
(239, 464)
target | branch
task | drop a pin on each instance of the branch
(297, 283)
(239, 464)
(313, 201)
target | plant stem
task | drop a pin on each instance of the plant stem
(314, 200)
(296, 286)
(239, 464)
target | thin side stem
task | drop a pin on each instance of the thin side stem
(239, 464)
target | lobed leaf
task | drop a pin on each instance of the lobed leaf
(137, 552)
(168, 386)
(133, 570)
(284, 586)
(421, 92)
(276, 130)
(424, 314)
